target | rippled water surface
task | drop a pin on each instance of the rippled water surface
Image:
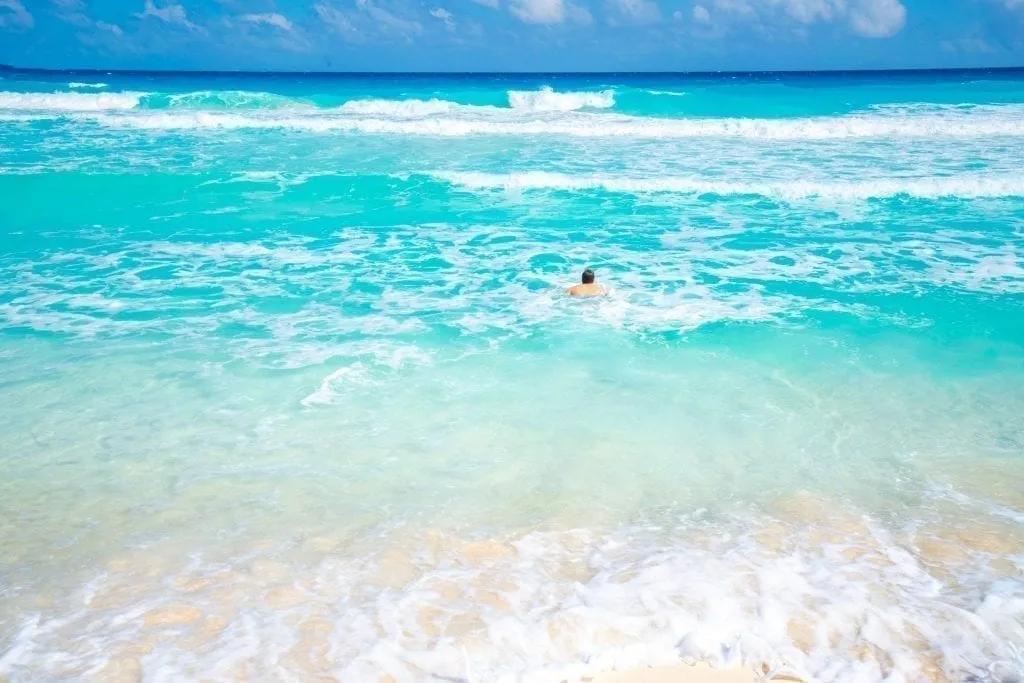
(289, 389)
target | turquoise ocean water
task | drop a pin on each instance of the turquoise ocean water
(289, 390)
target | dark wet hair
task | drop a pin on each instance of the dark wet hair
(588, 277)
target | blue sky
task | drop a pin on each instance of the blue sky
(511, 35)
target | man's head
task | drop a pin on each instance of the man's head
(588, 277)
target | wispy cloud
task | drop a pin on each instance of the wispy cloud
(71, 12)
(810, 11)
(701, 14)
(969, 45)
(13, 15)
(740, 8)
(369, 20)
(338, 22)
(94, 31)
(172, 14)
(632, 12)
(389, 22)
(264, 31)
(878, 18)
(538, 11)
(865, 18)
(444, 15)
(268, 19)
(112, 28)
(548, 12)
(493, 4)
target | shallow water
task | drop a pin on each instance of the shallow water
(290, 391)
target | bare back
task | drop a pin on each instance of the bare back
(592, 289)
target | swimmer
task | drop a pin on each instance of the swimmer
(588, 287)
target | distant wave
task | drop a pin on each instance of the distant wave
(224, 99)
(213, 100)
(668, 93)
(523, 101)
(547, 99)
(538, 112)
(929, 188)
(69, 101)
(406, 108)
(573, 124)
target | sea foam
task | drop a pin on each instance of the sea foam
(69, 101)
(547, 99)
(520, 101)
(573, 124)
(929, 188)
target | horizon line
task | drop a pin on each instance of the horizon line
(9, 68)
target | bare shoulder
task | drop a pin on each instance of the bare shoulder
(586, 290)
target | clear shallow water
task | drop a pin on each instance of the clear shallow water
(289, 389)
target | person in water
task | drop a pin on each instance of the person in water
(588, 287)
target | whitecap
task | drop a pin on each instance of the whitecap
(546, 99)
(69, 101)
(966, 186)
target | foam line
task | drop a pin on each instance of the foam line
(929, 188)
(69, 101)
(547, 99)
(580, 125)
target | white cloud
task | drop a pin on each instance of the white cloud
(389, 22)
(73, 12)
(548, 12)
(353, 26)
(69, 5)
(740, 8)
(810, 11)
(444, 15)
(268, 19)
(579, 14)
(337, 22)
(866, 18)
(538, 11)
(633, 11)
(878, 18)
(700, 14)
(14, 15)
(972, 44)
(169, 14)
(493, 4)
(113, 28)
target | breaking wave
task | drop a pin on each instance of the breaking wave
(575, 124)
(927, 188)
(68, 101)
(547, 99)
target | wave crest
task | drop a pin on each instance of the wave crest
(69, 101)
(925, 188)
(547, 99)
(404, 108)
(225, 99)
(498, 121)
